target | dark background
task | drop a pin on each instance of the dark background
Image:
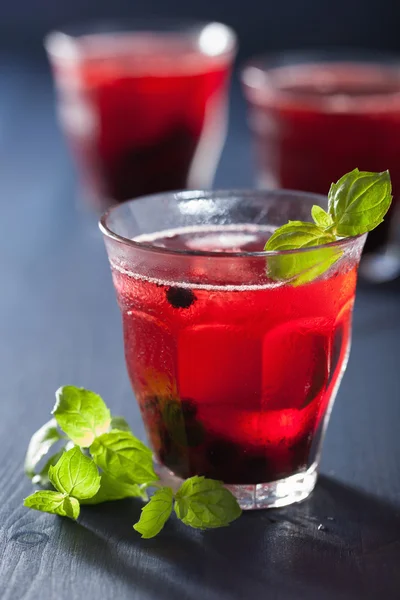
(59, 324)
(262, 25)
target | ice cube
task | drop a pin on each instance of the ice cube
(229, 241)
(219, 364)
(296, 360)
(258, 430)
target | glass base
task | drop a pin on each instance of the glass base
(261, 495)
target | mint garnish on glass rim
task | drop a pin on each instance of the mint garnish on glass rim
(357, 203)
(100, 460)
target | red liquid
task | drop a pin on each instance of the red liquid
(234, 384)
(317, 122)
(135, 109)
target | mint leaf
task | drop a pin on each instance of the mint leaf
(298, 234)
(155, 514)
(359, 201)
(300, 267)
(53, 502)
(42, 478)
(205, 504)
(40, 444)
(122, 456)
(120, 423)
(321, 217)
(82, 414)
(112, 489)
(75, 474)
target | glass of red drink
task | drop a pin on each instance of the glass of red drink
(235, 374)
(143, 104)
(314, 117)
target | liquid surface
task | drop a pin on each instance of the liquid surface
(363, 84)
(233, 383)
(211, 238)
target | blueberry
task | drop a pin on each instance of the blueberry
(179, 420)
(222, 453)
(173, 456)
(256, 469)
(180, 297)
(166, 445)
(189, 409)
(224, 461)
(194, 434)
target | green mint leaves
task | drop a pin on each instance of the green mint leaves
(75, 474)
(300, 267)
(82, 414)
(321, 218)
(100, 460)
(156, 513)
(199, 502)
(114, 489)
(357, 203)
(75, 478)
(205, 504)
(55, 503)
(121, 455)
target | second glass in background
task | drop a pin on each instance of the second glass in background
(143, 104)
(316, 116)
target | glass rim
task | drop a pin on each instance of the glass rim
(256, 73)
(179, 26)
(221, 193)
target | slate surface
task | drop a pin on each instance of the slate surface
(60, 324)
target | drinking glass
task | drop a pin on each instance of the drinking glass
(235, 373)
(316, 116)
(143, 104)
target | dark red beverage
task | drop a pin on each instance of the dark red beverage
(233, 381)
(143, 112)
(313, 122)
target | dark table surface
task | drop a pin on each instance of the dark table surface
(60, 324)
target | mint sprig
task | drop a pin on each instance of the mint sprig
(74, 478)
(113, 466)
(357, 203)
(200, 503)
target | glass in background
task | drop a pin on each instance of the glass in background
(143, 105)
(314, 117)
